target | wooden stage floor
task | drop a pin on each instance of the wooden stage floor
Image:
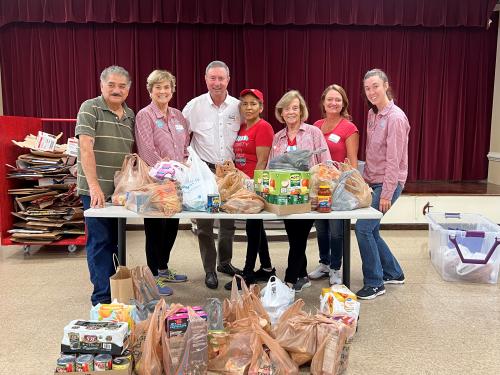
(451, 188)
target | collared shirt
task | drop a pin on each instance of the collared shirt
(387, 149)
(214, 128)
(161, 137)
(113, 140)
(308, 137)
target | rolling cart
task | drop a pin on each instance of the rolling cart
(14, 127)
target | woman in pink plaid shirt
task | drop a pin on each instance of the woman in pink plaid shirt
(291, 110)
(161, 133)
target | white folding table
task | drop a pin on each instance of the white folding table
(122, 214)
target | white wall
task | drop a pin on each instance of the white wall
(494, 154)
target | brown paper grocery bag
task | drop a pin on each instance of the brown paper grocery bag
(121, 283)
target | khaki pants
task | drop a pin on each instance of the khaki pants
(206, 241)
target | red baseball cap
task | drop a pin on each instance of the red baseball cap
(257, 93)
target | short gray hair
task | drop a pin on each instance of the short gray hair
(285, 102)
(217, 64)
(158, 76)
(115, 69)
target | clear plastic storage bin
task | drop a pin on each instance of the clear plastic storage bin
(464, 247)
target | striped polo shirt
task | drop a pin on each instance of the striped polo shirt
(113, 140)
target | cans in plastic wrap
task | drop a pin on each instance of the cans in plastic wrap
(103, 362)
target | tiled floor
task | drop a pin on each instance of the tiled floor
(427, 326)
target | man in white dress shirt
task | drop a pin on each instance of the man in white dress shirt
(214, 120)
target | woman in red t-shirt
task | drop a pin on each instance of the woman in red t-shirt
(343, 141)
(251, 150)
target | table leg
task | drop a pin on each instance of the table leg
(122, 241)
(346, 253)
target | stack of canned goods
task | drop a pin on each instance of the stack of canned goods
(89, 362)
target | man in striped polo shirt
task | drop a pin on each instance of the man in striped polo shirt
(105, 129)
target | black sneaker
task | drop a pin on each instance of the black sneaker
(263, 275)
(370, 292)
(399, 280)
(229, 269)
(302, 282)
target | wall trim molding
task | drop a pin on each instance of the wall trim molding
(493, 156)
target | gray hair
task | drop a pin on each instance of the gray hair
(157, 76)
(217, 64)
(115, 69)
(285, 102)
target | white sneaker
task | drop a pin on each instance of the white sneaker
(320, 272)
(335, 277)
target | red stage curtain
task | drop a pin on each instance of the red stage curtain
(442, 77)
(429, 13)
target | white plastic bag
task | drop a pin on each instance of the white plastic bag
(276, 297)
(196, 180)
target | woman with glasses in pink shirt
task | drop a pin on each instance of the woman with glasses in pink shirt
(161, 133)
(291, 110)
(386, 170)
(342, 138)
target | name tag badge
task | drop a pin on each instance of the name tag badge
(179, 128)
(159, 124)
(291, 148)
(334, 138)
(382, 123)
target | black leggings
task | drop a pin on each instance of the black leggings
(298, 232)
(160, 238)
(256, 244)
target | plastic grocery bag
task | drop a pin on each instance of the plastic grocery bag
(297, 160)
(133, 175)
(150, 362)
(352, 192)
(276, 297)
(243, 305)
(144, 283)
(197, 182)
(272, 360)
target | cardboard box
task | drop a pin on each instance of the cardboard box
(287, 209)
(276, 182)
(94, 337)
(109, 372)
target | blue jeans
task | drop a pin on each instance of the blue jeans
(102, 242)
(330, 236)
(378, 261)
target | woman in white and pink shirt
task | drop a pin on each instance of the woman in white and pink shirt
(385, 171)
(291, 110)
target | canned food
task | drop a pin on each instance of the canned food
(84, 363)
(282, 200)
(65, 363)
(121, 363)
(127, 354)
(213, 203)
(103, 362)
(294, 199)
